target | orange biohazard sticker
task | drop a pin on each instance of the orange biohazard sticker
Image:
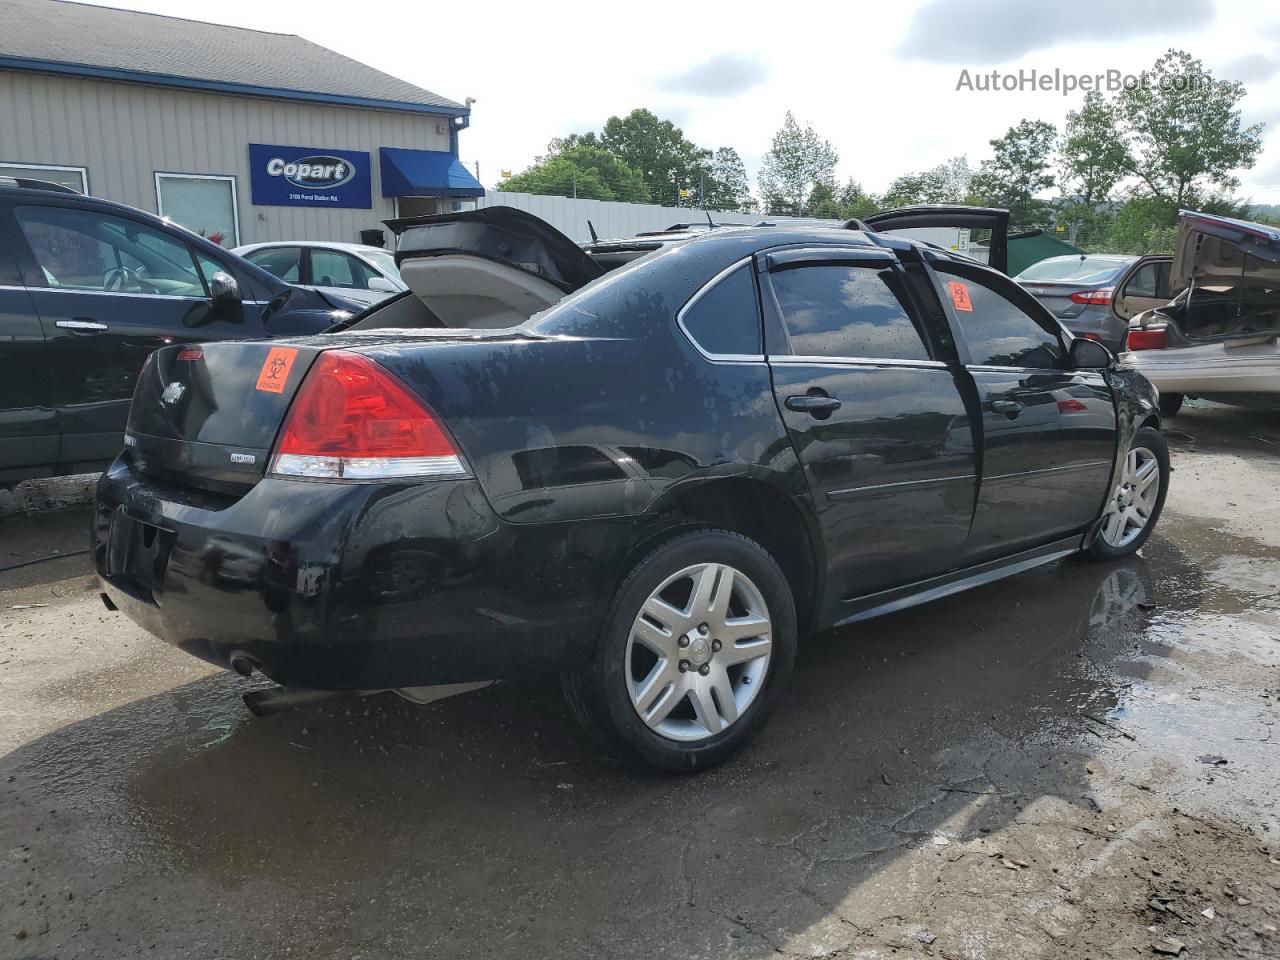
(960, 296)
(275, 369)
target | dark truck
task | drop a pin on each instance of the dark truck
(651, 480)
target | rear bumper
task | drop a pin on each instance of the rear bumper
(350, 586)
(1206, 377)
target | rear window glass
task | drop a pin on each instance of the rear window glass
(1074, 269)
(846, 311)
(725, 320)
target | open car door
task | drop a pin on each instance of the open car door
(492, 267)
(925, 221)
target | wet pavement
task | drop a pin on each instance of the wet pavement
(1074, 762)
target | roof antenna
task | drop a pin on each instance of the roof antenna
(594, 238)
(710, 223)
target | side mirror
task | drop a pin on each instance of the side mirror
(223, 288)
(1089, 354)
(382, 285)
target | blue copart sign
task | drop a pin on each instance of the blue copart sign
(309, 176)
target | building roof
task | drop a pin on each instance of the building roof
(86, 40)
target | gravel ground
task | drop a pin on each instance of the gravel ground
(1076, 762)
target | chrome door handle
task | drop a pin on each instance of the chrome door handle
(81, 326)
(1010, 408)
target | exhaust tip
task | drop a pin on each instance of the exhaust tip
(242, 666)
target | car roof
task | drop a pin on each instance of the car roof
(334, 245)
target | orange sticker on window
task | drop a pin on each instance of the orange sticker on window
(960, 296)
(275, 369)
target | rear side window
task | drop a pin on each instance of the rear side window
(725, 320)
(998, 332)
(847, 311)
(282, 262)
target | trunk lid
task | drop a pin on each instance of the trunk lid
(207, 415)
(1221, 251)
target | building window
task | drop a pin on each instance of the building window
(77, 178)
(200, 202)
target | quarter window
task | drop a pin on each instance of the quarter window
(997, 331)
(725, 320)
(847, 311)
(86, 250)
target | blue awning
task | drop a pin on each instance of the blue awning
(426, 173)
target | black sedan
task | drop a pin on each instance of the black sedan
(650, 480)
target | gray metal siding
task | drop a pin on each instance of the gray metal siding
(125, 133)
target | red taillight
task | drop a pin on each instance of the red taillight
(1145, 338)
(352, 420)
(1098, 298)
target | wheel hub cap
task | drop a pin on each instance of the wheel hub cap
(1130, 509)
(698, 652)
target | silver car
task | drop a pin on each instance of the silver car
(352, 271)
(1095, 295)
(1220, 337)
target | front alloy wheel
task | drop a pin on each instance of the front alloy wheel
(698, 652)
(1135, 502)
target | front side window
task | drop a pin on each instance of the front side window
(998, 332)
(282, 262)
(847, 311)
(333, 268)
(725, 320)
(87, 250)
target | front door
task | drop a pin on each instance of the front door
(1048, 432)
(875, 415)
(109, 291)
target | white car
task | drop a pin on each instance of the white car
(1220, 337)
(349, 270)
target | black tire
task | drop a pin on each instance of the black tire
(1152, 440)
(1171, 403)
(598, 695)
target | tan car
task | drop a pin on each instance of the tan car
(1219, 338)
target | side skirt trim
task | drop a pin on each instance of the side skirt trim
(900, 598)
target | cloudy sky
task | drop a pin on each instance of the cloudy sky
(877, 79)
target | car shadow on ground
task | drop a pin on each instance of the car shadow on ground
(487, 822)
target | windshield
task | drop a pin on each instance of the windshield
(1075, 269)
(385, 263)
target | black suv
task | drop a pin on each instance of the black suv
(88, 288)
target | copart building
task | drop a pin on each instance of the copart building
(241, 135)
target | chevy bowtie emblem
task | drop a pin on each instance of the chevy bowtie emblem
(173, 393)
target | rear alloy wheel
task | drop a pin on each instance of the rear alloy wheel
(1134, 506)
(699, 642)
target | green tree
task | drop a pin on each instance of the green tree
(666, 160)
(948, 182)
(1020, 168)
(724, 184)
(1093, 157)
(577, 167)
(1185, 129)
(856, 202)
(798, 161)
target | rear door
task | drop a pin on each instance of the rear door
(874, 412)
(28, 420)
(979, 232)
(1144, 287)
(109, 290)
(1048, 434)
